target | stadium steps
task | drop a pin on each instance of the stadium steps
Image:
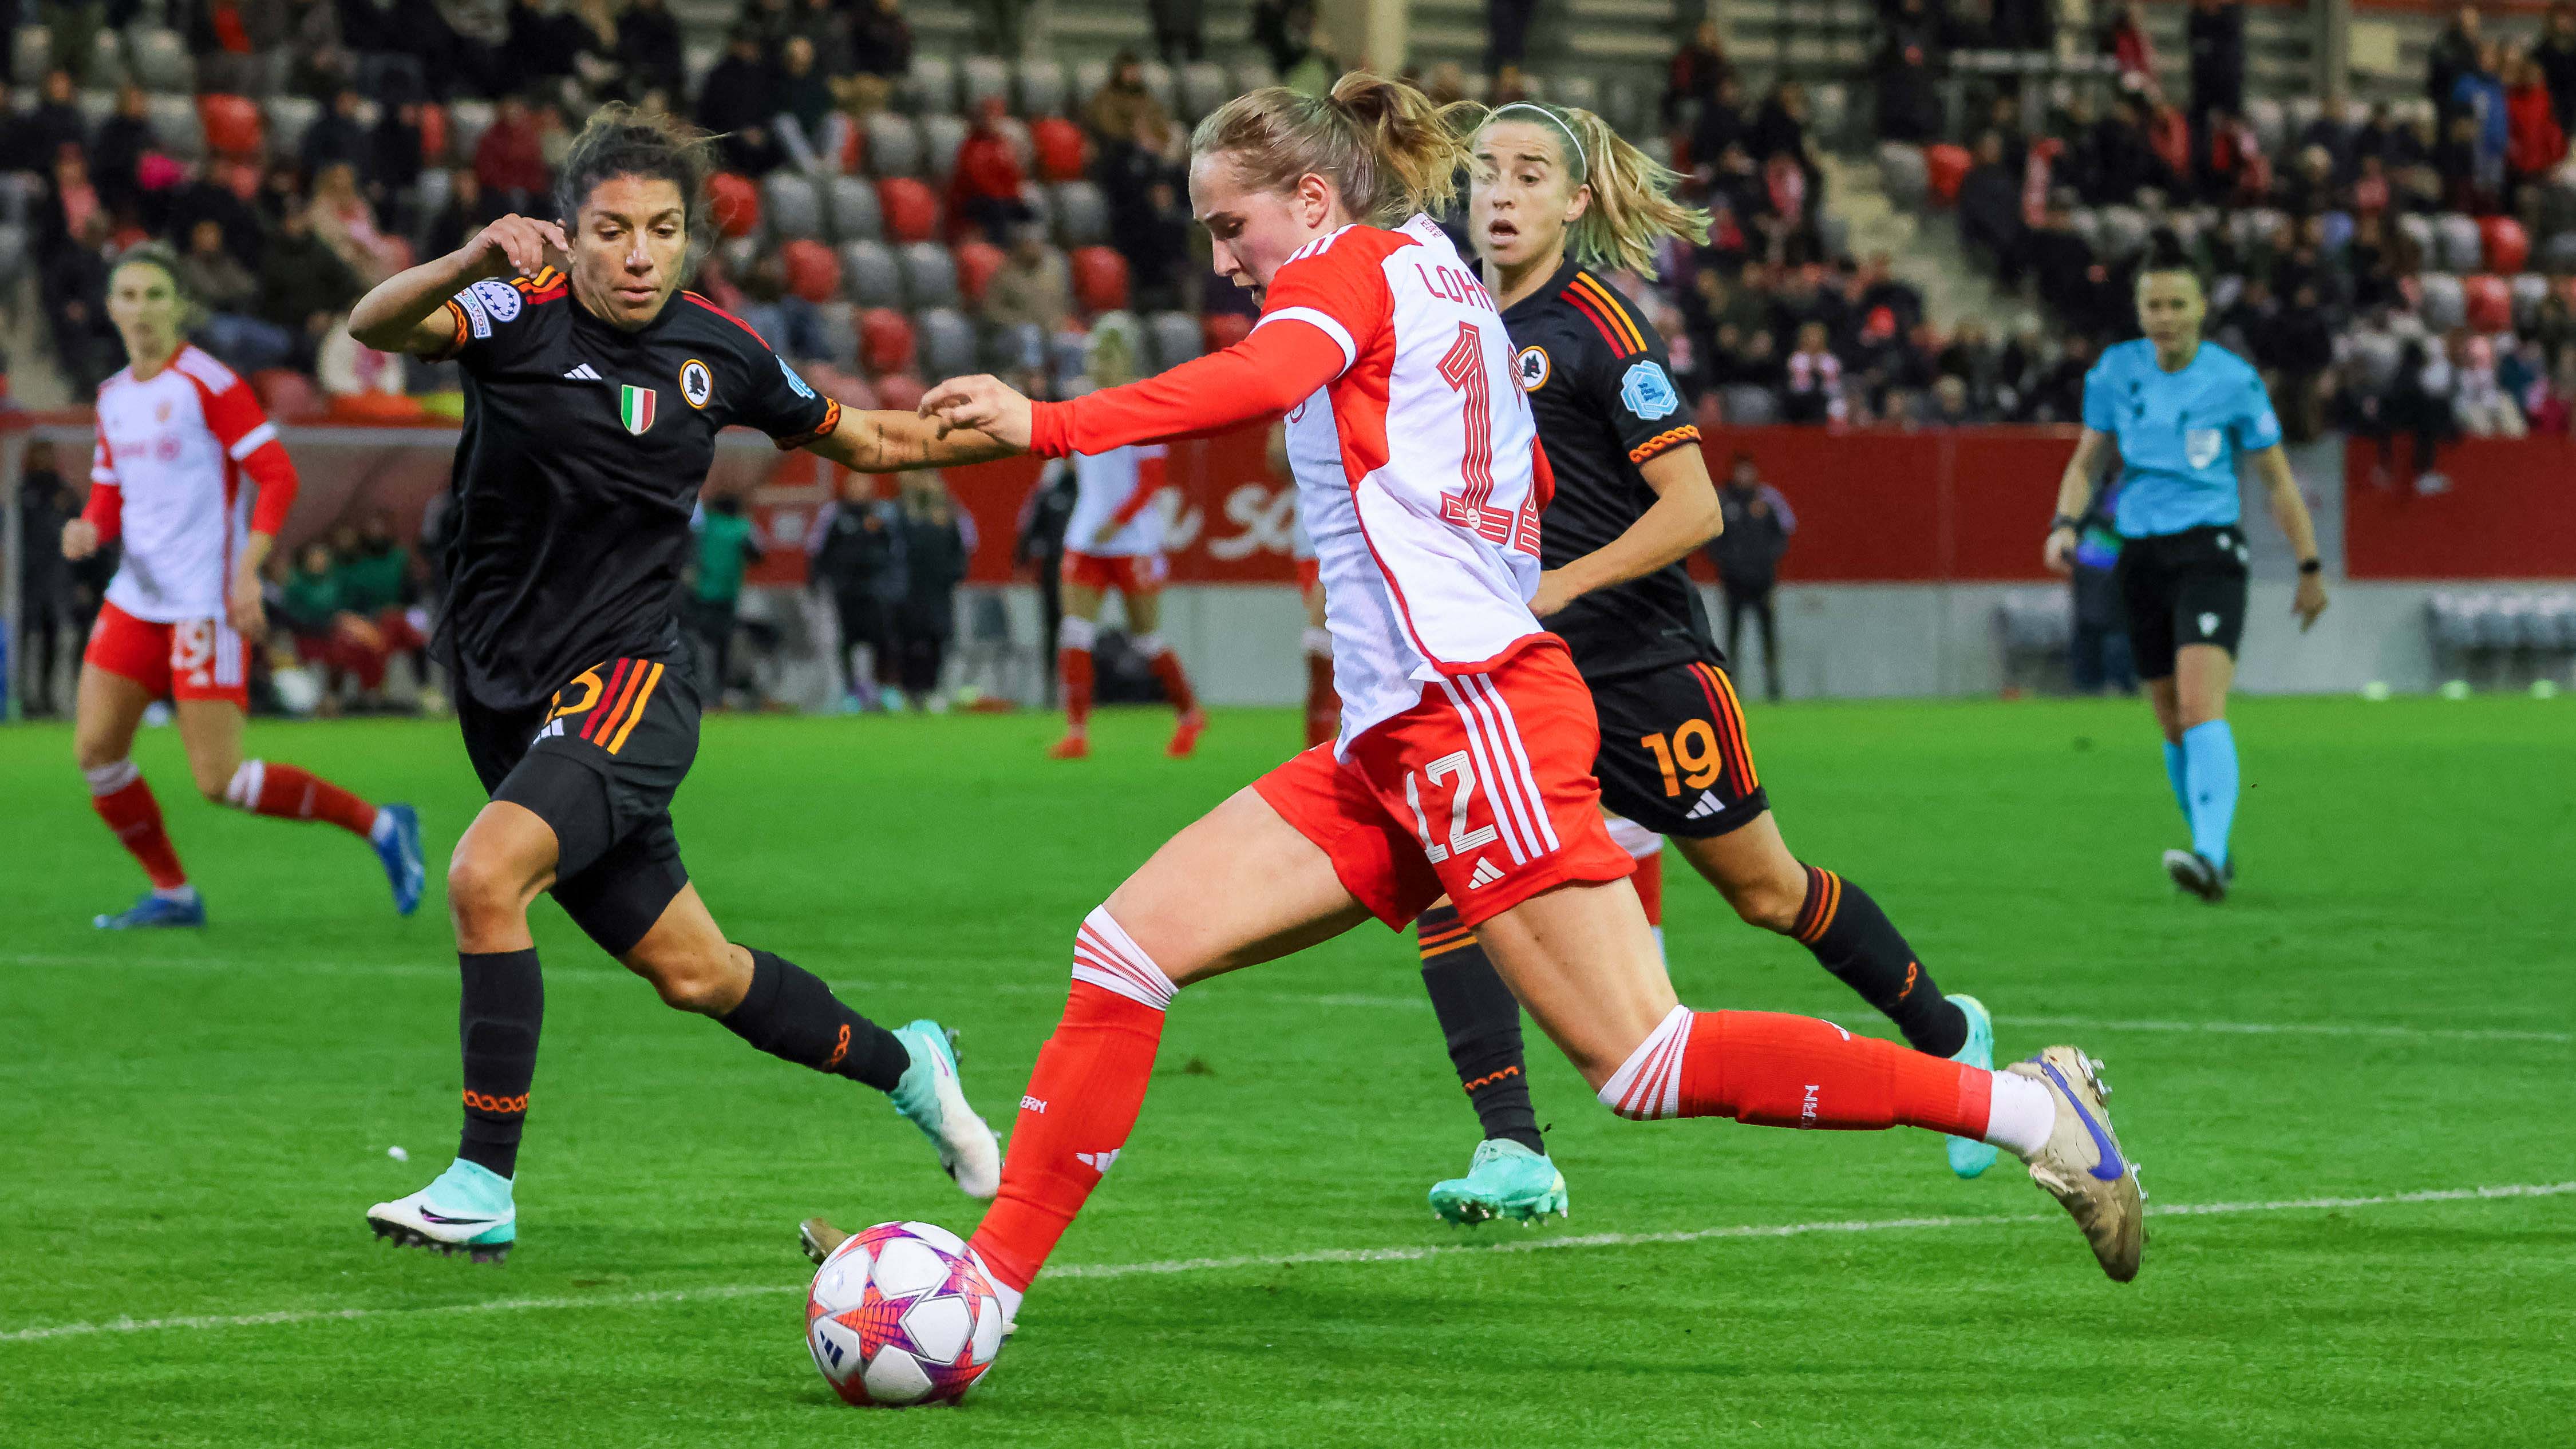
(36, 378)
(1925, 249)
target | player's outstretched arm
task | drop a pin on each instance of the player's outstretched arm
(401, 313)
(1684, 516)
(1262, 376)
(2290, 510)
(2074, 496)
(892, 442)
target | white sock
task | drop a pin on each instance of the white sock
(180, 893)
(2020, 1115)
(382, 829)
(1010, 1297)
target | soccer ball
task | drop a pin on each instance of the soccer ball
(902, 1314)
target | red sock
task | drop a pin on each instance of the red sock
(1649, 881)
(1775, 1070)
(1176, 685)
(1073, 667)
(287, 792)
(1081, 1103)
(129, 809)
(1323, 702)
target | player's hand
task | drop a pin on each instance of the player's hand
(2059, 552)
(516, 246)
(243, 608)
(1554, 593)
(2309, 601)
(1100, 536)
(80, 539)
(984, 403)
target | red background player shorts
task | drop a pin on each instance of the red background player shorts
(191, 659)
(1140, 573)
(1482, 791)
(1310, 572)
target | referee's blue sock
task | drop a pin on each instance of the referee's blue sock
(2211, 748)
(2178, 770)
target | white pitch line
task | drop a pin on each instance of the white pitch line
(2293, 1028)
(1285, 1260)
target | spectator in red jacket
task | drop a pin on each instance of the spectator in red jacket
(2534, 143)
(510, 160)
(985, 193)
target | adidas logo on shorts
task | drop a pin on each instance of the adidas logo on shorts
(1483, 875)
(1708, 805)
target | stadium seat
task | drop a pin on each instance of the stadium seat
(288, 395)
(1204, 87)
(931, 84)
(948, 343)
(13, 254)
(175, 122)
(1015, 134)
(1060, 148)
(911, 210)
(2558, 255)
(1584, 93)
(870, 274)
(1081, 214)
(1171, 338)
(2488, 301)
(1903, 175)
(900, 391)
(161, 61)
(19, 193)
(976, 261)
(433, 134)
(2302, 112)
(1221, 330)
(106, 59)
(1099, 279)
(2460, 248)
(940, 138)
(2444, 304)
(32, 50)
(1747, 405)
(792, 204)
(735, 201)
(855, 213)
(2271, 126)
(979, 78)
(1088, 77)
(2085, 222)
(2507, 245)
(885, 340)
(95, 107)
(2530, 291)
(813, 273)
(2377, 354)
(838, 322)
(929, 275)
(1162, 85)
(467, 120)
(2418, 228)
(1014, 346)
(1829, 107)
(1041, 86)
(2124, 231)
(1066, 353)
(1252, 75)
(894, 145)
(232, 125)
(1833, 233)
(1944, 167)
(740, 253)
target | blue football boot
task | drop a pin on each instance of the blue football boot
(406, 869)
(467, 1210)
(156, 910)
(1968, 1156)
(1504, 1180)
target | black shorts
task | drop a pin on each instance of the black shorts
(599, 763)
(2182, 588)
(1674, 757)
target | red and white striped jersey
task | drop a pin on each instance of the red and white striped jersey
(1117, 488)
(167, 477)
(1419, 475)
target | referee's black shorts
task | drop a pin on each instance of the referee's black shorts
(1674, 757)
(2182, 588)
(599, 763)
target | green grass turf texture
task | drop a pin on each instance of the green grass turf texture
(198, 1121)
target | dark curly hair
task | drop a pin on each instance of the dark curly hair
(620, 140)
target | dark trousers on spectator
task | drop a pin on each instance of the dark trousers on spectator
(925, 656)
(2098, 658)
(41, 627)
(1050, 614)
(2428, 419)
(865, 624)
(1757, 602)
(1507, 26)
(712, 622)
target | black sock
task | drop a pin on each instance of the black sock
(1856, 941)
(789, 1013)
(498, 1017)
(1482, 1020)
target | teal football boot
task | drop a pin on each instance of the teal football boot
(1504, 1180)
(467, 1210)
(932, 1098)
(1968, 1156)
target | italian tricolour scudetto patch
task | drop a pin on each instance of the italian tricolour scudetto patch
(635, 407)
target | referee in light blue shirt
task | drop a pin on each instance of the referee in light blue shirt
(2183, 412)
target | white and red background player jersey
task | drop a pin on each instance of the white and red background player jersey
(174, 452)
(1419, 477)
(1117, 486)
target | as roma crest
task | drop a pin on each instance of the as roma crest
(696, 383)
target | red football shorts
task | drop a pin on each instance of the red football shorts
(1483, 792)
(1139, 573)
(191, 659)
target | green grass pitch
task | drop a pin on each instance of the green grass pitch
(197, 1122)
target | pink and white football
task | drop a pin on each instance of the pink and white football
(902, 1314)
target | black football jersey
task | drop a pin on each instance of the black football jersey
(583, 452)
(1600, 387)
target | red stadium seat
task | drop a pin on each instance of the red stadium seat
(813, 270)
(911, 209)
(1221, 330)
(2490, 302)
(885, 342)
(376, 407)
(433, 134)
(1059, 146)
(232, 125)
(1945, 166)
(976, 264)
(736, 202)
(1099, 279)
(2507, 245)
(900, 391)
(288, 395)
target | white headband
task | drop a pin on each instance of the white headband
(1558, 121)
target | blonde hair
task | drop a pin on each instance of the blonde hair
(1632, 208)
(1383, 144)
